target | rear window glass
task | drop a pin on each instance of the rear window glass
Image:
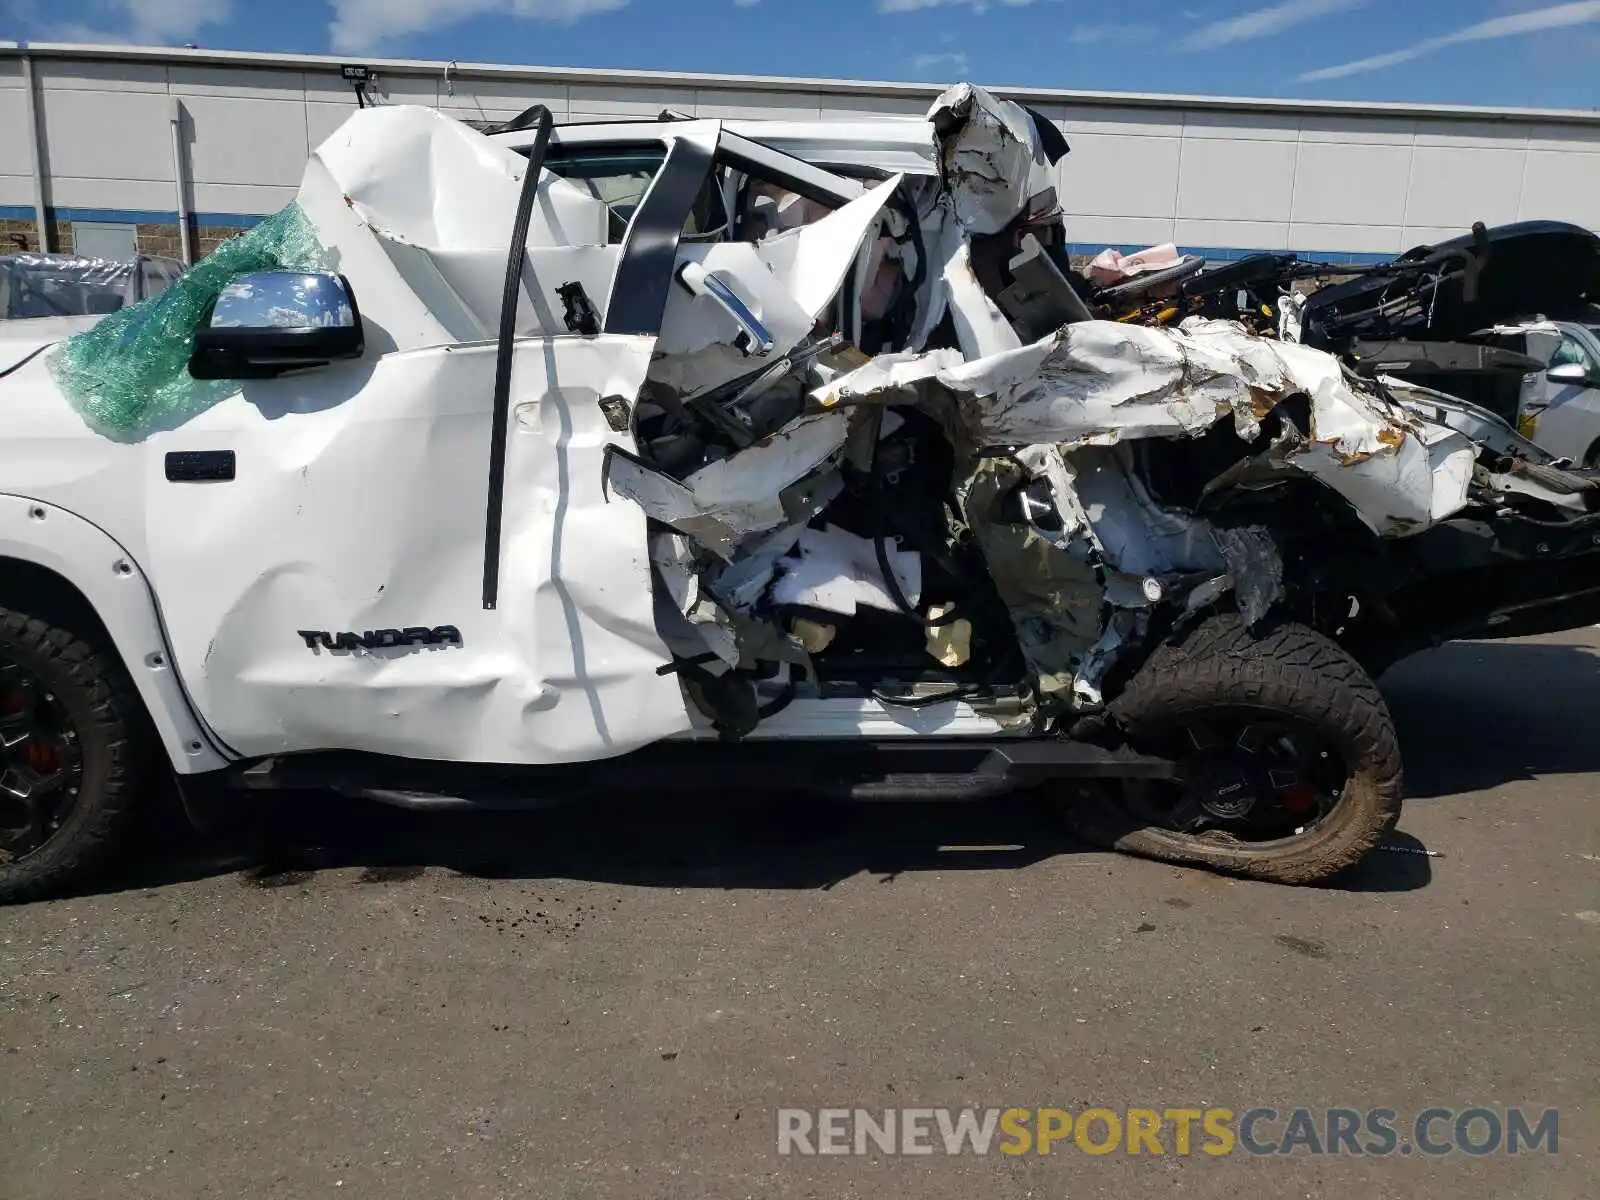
(619, 176)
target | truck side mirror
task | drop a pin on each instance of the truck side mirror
(268, 322)
(1568, 373)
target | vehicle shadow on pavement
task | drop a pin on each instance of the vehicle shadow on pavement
(722, 841)
(1475, 715)
(1471, 716)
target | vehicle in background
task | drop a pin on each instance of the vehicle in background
(1559, 405)
(63, 285)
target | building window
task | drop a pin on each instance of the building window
(105, 239)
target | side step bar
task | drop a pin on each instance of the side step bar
(917, 770)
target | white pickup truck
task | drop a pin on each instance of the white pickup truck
(521, 467)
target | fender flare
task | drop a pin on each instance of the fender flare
(110, 580)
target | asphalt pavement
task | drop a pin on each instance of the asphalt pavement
(618, 1001)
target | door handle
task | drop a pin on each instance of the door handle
(754, 339)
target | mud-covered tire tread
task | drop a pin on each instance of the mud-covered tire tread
(1285, 668)
(99, 696)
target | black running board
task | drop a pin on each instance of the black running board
(920, 769)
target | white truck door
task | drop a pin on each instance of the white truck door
(346, 590)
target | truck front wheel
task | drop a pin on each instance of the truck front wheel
(1290, 762)
(68, 757)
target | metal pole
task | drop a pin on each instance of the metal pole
(178, 175)
(35, 155)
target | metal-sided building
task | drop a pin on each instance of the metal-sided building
(114, 148)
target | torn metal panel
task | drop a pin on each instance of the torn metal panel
(982, 330)
(744, 583)
(887, 378)
(1054, 597)
(694, 623)
(1478, 425)
(1098, 382)
(697, 348)
(991, 160)
(436, 199)
(1096, 379)
(1422, 480)
(1399, 474)
(836, 570)
(812, 259)
(1135, 535)
(1255, 569)
(787, 281)
(1123, 627)
(782, 480)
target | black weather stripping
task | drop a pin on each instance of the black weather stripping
(650, 251)
(537, 115)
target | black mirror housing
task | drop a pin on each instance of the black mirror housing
(267, 323)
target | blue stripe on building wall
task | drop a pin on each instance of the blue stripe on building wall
(134, 216)
(131, 216)
(1232, 253)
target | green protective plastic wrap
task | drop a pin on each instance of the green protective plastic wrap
(129, 375)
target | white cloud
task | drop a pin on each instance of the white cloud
(1264, 22)
(1556, 16)
(955, 61)
(364, 24)
(173, 20)
(134, 22)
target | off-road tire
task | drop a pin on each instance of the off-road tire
(1285, 669)
(107, 718)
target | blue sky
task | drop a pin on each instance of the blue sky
(1493, 52)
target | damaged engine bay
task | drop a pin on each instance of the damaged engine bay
(961, 482)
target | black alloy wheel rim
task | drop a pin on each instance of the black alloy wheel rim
(1248, 777)
(41, 763)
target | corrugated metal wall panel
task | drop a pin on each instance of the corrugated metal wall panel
(1225, 175)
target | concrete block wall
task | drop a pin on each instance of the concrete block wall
(1223, 177)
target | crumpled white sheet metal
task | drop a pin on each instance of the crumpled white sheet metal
(1086, 383)
(990, 159)
(437, 197)
(1399, 473)
(1099, 382)
(747, 493)
(836, 570)
(709, 627)
(1137, 537)
(787, 280)
(811, 259)
(1096, 378)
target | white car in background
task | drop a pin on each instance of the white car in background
(1560, 406)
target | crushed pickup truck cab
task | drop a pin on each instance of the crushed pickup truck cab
(513, 466)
